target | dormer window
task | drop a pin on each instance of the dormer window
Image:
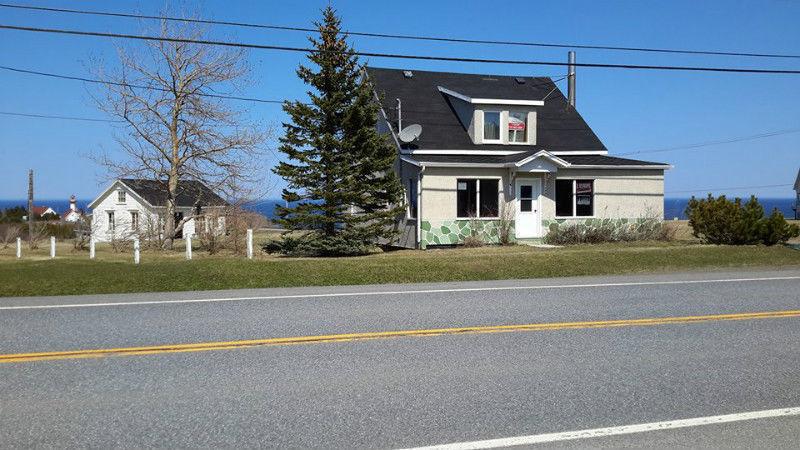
(491, 126)
(518, 127)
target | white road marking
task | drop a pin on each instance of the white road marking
(613, 431)
(419, 291)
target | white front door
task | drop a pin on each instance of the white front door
(529, 219)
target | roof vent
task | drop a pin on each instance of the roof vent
(519, 80)
(408, 74)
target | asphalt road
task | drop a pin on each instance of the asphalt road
(407, 391)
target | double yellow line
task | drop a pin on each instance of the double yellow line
(208, 346)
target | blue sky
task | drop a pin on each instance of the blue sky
(629, 110)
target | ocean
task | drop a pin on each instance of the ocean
(673, 207)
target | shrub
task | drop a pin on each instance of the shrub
(505, 225)
(473, 241)
(60, 230)
(10, 234)
(721, 221)
(341, 244)
(578, 233)
(776, 230)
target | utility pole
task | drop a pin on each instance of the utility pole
(571, 78)
(30, 207)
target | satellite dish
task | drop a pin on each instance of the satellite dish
(410, 133)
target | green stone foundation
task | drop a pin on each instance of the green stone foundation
(453, 232)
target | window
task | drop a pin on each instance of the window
(488, 195)
(120, 196)
(584, 198)
(526, 198)
(466, 198)
(412, 198)
(111, 224)
(574, 198)
(134, 220)
(491, 126)
(518, 127)
(477, 198)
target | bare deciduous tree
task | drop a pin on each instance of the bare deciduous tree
(173, 130)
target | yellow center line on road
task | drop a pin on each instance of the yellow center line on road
(208, 346)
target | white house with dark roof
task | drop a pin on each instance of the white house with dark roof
(495, 146)
(135, 207)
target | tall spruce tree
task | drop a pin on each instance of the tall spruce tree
(339, 169)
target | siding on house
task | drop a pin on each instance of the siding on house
(629, 194)
(619, 194)
(122, 215)
(148, 216)
(439, 189)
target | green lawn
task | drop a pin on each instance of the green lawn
(75, 274)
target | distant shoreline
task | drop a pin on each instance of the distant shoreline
(673, 206)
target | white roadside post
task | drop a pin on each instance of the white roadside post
(188, 246)
(249, 243)
(19, 248)
(52, 246)
(91, 247)
(136, 251)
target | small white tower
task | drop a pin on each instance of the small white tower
(73, 203)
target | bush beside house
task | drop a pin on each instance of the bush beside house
(724, 222)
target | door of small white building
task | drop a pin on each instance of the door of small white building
(528, 223)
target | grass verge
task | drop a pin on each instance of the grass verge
(68, 276)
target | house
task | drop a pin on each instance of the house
(73, 214)
(497, 149)
(41, 211)
(135, 207)
(797, 193)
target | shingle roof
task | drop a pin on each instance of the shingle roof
(576, 160)
(605, 160)
(190, 192)
(560, 127)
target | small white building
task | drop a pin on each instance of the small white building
(135, 208)
(73, 214)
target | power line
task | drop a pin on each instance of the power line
(114, 83)
(728, 188)
(719, 142)
(398, 55)
(45, 116)
(402, 36)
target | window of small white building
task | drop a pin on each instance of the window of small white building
(120, 196)
(135, 220)
(477, 198)
(491, 126)
(574, 198)
(518, 127)
(111, 224)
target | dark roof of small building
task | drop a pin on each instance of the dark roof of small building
(190, 192)
(560, 127)
(576, 160)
